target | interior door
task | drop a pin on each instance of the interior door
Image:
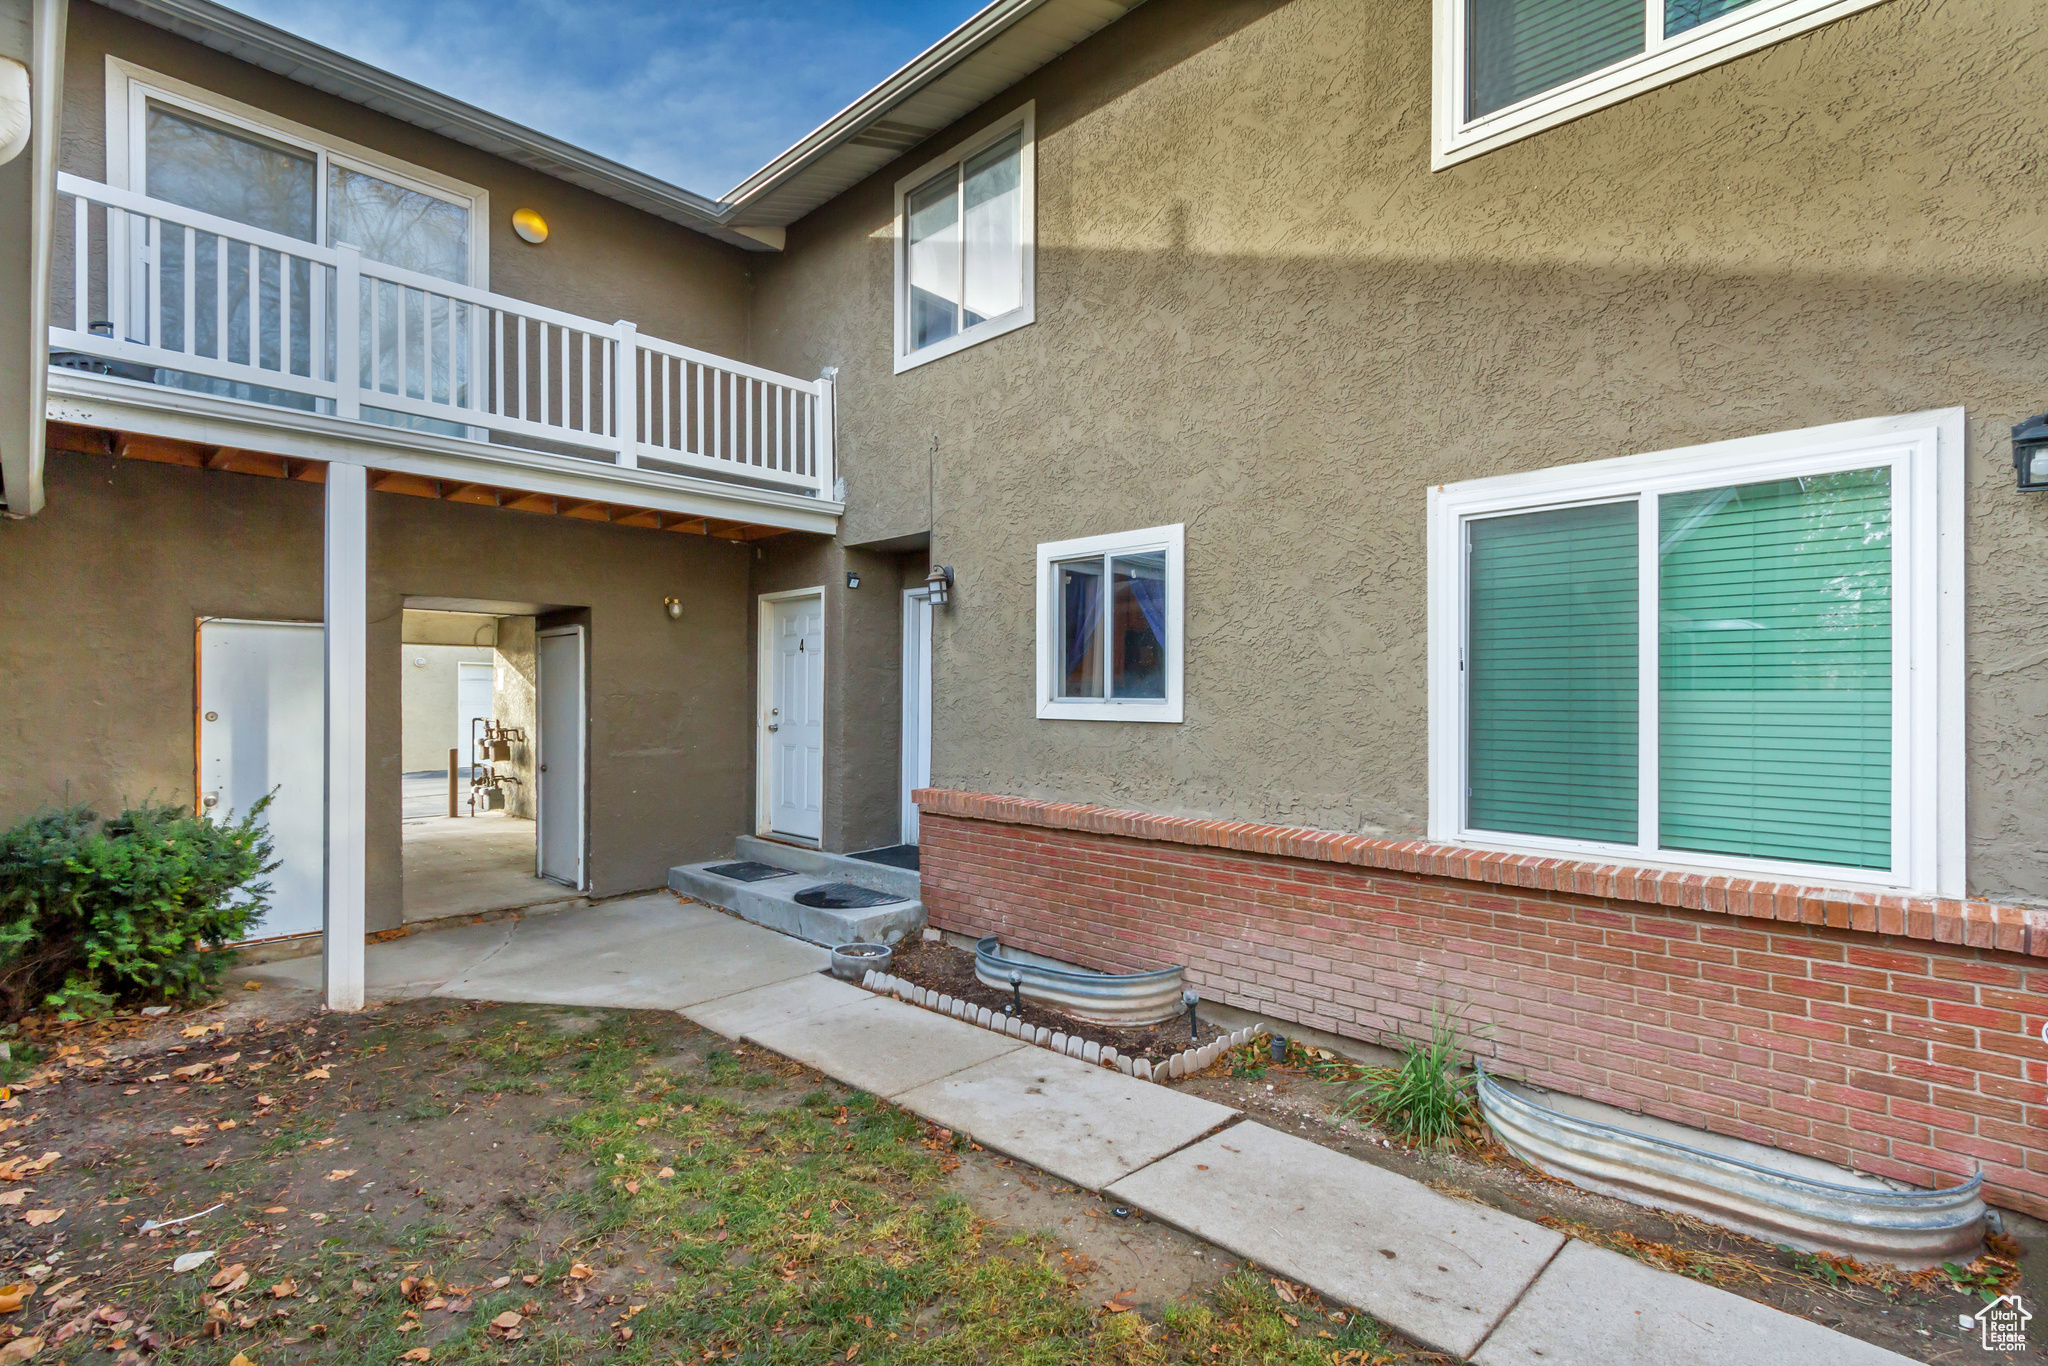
(475, 698)
(262, 725)
(796, 717)
(917, 703)
(562, 768)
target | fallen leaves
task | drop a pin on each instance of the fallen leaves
(1123, 1302)
(13, 1296)
(316, 1074)
(13, 1197)
(230, 1279)
(24, 1349)
(285, 1289)
(241, 1359)
(190, 1261)
(506, 1326)
(16, 1168)
(36, 1217)
(341, 1173)
(416, 1354)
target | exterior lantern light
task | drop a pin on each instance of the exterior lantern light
(531, 227)
(2030, 453)
(939, 584)
(674, 608)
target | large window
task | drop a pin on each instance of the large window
(964, 229)
(1109, 627)
(1744, 656)
(1507, 68)
(204, 151)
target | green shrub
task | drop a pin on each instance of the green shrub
(130, 909)
(1424, 1100)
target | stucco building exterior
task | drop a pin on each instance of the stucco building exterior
(1426, 521)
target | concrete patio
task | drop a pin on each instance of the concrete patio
(1457, 1276)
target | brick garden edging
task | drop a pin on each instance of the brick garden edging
(1894, 1035)
(1185, 1063)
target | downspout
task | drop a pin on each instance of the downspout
(31, 101)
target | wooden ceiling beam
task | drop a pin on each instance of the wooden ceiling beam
(75, 439)
(390, 481)
(161, 450)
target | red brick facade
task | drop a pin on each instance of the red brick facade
(1751, 1010)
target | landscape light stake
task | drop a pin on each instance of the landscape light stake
(1192, 998)
(1016, 1006)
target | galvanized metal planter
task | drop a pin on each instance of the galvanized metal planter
(1908, 1228)
(1128, 998)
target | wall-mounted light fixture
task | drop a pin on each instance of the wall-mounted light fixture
(674, 608)
(530, 226)
(852, 579)
(2030, 453)
(939, 584)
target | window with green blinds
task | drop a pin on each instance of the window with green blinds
(1520, 48)
(1551, 687)
(1775, 670)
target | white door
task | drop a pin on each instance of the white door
(474, 700)
(795, 720)
(562, 769)
(262, 728)
(917, 703)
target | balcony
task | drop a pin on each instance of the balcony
(183, 325)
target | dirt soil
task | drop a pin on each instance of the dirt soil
(400, 1184)
(1916, 1315)
(938, 966)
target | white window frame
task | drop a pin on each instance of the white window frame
(1053, 707)
(1663, 60)
(1024, 120)
(1925, 454)
(131, 87)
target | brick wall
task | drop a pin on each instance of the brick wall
(1893, 1053)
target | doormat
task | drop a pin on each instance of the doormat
(748, 871)
(843, 896)
(895, 856)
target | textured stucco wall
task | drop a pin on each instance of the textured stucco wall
(429, 691)
(602, 260)
(515, 697)
(1262, 315)
(105, 587)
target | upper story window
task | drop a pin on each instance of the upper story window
(1745, 656)
(964, 228)
(1109, 627)
(1509, 68)
(200, 150)
(192, 147)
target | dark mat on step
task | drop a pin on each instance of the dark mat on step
(748, 871)
(895, 856)
(842, 896)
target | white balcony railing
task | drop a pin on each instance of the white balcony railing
(177, 297)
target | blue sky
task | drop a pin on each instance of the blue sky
(699, 93)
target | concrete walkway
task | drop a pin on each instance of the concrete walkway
(1456, 1276)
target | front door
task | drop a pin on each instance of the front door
(795, 720)
(917, 703)
(262, 723)
(561, 776)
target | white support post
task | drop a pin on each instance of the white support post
(625, 395)
(348, 328)
(347, 627)
(827, 424)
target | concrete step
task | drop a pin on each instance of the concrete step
(772, 901)
(832, 867)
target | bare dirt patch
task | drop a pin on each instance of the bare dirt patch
(483, 1183)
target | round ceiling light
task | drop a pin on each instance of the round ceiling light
(530, 226)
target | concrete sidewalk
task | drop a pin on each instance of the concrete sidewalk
(1456, 1276)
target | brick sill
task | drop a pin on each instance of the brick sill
(1975, 924)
